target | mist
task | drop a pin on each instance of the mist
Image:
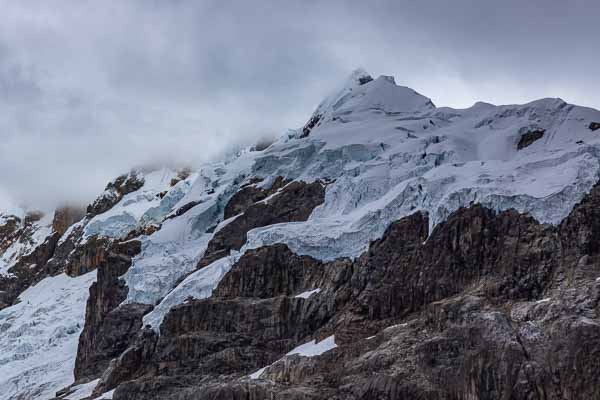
(90, 89)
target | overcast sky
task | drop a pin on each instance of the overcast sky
(90, 88)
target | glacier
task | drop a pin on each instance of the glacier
(39, 337)
(386, 152)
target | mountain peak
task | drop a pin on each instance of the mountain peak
(361, 92)
(361, 96)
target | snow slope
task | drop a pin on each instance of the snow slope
(174, 250)
(145, 206)
(39, 337)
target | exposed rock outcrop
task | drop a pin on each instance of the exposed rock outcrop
(114, 192)
(9, 226)
(249, 195)
(594, 126)
(312, 122)
(109, 328)
(295, 202)
(66, 216)
(275, 271)
(183, 209)
(529, 137)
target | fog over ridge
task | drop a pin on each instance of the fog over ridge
(90, 89)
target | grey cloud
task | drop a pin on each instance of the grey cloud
(90, 88)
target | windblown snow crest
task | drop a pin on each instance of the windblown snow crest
(372, 153)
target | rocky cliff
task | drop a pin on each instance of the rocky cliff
(490, 305)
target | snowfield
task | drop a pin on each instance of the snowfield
(39, 337)
(314, 348)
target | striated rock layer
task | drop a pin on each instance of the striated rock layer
(109, 329)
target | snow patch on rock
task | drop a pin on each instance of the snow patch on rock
(308, 293)
(314, 348)
(82, 391)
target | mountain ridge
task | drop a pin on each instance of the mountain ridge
(374, 153)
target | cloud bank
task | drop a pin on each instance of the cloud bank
(90, 89)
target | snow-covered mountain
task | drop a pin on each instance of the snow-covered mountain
(371, 154)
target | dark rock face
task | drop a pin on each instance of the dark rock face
(114, 192)
(529, 137)
(245, 327)
(273, 271)
(249, 195)
(594, 126)
(364, 79)
(295, 202)
(7, 229)
(88, 256)
(312, 122)
(512, 251)
(109, 328)
(488, 306)
(183, 209)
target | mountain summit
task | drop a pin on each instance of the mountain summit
(362, 94)
(387, 249)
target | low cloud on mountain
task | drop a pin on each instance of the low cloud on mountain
(90, 89)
